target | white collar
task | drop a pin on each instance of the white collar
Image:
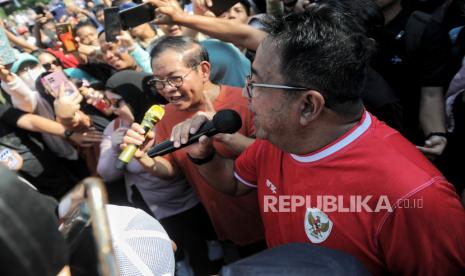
(356, 132)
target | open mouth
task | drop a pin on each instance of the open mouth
(176, 99)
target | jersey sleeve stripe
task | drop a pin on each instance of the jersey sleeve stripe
(248, 184)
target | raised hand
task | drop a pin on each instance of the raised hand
(180, 135)
(167, 12)
(126, 40)
(202, 7)
(5, 74)
(67, 105)
(87, 139)
(136, 136)
(433, 147)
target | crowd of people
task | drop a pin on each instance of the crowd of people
(356, 101)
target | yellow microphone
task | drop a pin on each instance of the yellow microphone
(151, 118)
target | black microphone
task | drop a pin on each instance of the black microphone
(225, 121)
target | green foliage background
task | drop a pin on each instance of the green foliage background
(11, 7)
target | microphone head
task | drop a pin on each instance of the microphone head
(154, 114)
(227, 121)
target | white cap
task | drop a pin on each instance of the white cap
(141, 245)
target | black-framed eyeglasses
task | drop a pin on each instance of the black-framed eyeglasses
(174, 81)
(251, 85)
(48, 66)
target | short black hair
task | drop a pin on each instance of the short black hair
(317, 53)
(361, 15)
(97, 8)
(83, 24)
(246, 5)
(181, 44)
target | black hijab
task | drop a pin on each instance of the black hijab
(133, 87)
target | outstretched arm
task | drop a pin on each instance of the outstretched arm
(239, 34)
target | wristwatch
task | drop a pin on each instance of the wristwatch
(68, 133)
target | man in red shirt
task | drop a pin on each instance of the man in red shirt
(181, 75)
(327, 171)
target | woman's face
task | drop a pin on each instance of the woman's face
(29, 72)
(50, 62)
(120, 107)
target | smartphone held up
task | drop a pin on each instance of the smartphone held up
(137, 15)
(112, 23)
(125, 19)
(66, 37)
(53, 82)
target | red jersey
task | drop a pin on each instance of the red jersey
(371, 194)
(234, 218)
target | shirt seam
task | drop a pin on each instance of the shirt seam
(425, 185)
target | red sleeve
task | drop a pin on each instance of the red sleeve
(245, 169)
(428, 239)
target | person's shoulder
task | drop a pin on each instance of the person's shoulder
(232, 90)
(262, 150)
(220, 47)
(233, 95)
(400, 164)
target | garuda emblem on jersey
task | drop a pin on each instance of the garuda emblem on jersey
(317, 225)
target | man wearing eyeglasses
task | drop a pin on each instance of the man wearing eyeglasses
(181, 75)
(327, 172)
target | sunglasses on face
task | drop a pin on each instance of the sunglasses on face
(48, 66)
(114, 98)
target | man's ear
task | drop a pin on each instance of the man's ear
(205, 69)
(311, 105)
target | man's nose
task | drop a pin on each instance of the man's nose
(169, 89)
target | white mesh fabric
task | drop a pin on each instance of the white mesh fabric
(141, 245)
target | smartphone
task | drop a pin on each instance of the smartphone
(137, 15)
(58, 12)
(65, 35)
(220, 6)
(112, 23)
(52, 82)
(7, 55)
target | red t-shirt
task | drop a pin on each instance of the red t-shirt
(234, 218)
(68, 60)
(373, 160)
